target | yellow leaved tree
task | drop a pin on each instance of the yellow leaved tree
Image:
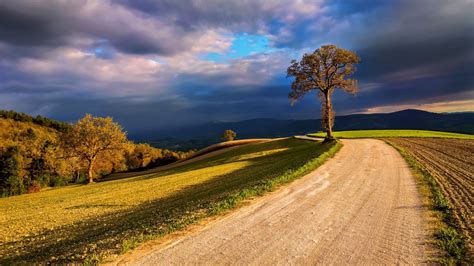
(93, 137)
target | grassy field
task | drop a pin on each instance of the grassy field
(85, 223)
(448, 170)
(400, 133)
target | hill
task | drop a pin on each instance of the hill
(82, 223)
(206, 134)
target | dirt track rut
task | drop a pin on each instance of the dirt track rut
(362, 206)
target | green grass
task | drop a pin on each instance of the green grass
(405, 133)
(448, 238)
(87, 223)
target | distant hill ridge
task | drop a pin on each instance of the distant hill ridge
(462, 122)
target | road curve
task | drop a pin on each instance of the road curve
(360, 207)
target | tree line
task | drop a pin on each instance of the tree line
(39, 120)
(40, 152)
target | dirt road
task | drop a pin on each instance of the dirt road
(360, 207)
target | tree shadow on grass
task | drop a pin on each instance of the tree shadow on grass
(228, 157)
(225, 157)
(88, 206)
(106, 233)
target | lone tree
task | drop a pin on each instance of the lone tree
(326, 69)
(228, 135)
(91, 137)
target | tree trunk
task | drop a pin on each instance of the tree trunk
(90, 172)
(328, 116)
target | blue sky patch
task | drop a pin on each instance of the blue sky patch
(243, 45)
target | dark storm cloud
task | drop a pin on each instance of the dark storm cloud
(58, 23)
(29, 89)
(419, 33)
(244, 15)
(23, 26)
(195, 13)
(156, 112)
(422, 50)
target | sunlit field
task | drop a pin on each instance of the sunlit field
(80, 223)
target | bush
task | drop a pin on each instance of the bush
(56, 181)
(34, 187)
(451, 241)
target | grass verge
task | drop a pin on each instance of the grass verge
(271, 184)
(448, 237)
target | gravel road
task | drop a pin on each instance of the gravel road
(360, 207)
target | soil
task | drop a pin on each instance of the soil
(451, 163)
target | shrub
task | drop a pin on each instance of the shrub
(451, 241)
(34, 187)
(56, 181)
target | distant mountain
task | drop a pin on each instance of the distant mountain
(200, 136)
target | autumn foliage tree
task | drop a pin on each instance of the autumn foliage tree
(37, 152)
(93, 137)
(228, 135)
(326, 69)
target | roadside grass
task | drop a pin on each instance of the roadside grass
(393, 133)
(89, 223)
(448, 237)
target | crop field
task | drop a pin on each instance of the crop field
(87, 223)
(398, 133)
(451, 163)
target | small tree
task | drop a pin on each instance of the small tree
(10, 181)
(91, 137)
(228, 135)
(326, 69)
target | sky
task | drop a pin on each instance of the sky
(155, 65)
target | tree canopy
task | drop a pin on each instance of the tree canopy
(228, 135)
(326, 69)
(91, 137)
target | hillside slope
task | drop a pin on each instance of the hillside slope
(81, 223)
(14, 132)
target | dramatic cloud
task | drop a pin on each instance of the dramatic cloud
(160, 64)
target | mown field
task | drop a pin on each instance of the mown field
(85, 223)
(451, 163)
(399, 133)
